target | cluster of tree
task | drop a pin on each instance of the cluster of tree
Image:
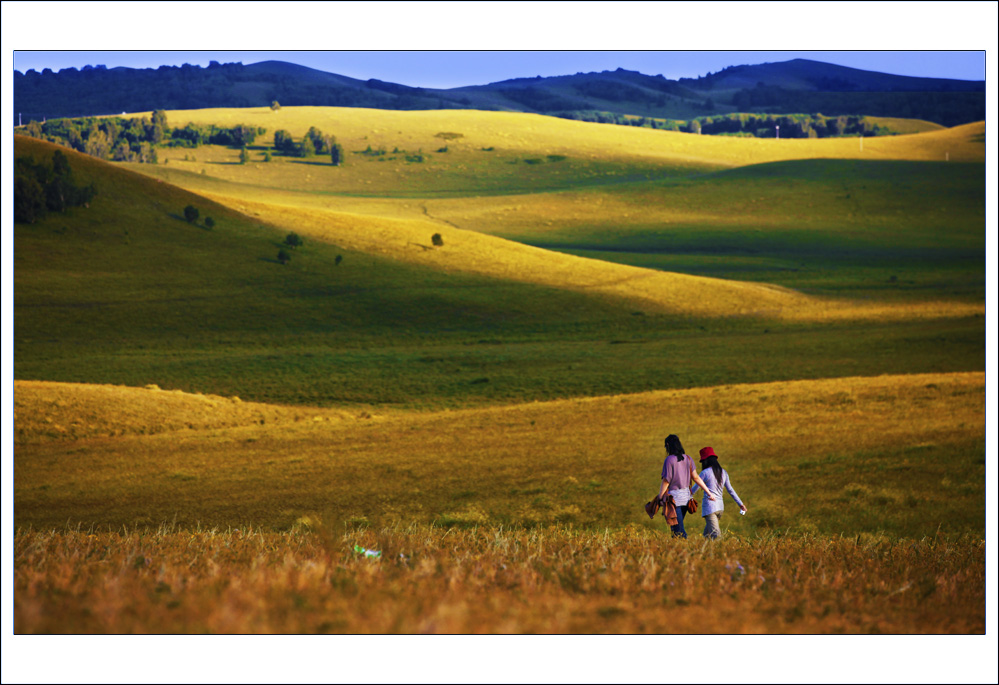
(193, 135)
(191, 215)
(755, 125)
(40, 188)
(314, 142)
(135, 140)
(122, 140)
(791, 125)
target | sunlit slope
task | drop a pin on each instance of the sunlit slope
(472, 252)
(591, 462)
(648, 289)
(504, 152)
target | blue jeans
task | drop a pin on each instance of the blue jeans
(678, 529)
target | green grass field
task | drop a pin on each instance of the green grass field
(814, 312)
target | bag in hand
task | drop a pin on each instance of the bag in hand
(692, 506)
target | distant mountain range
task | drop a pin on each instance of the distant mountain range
(795, 86)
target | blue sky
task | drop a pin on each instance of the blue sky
(448, 69)
(451, 44)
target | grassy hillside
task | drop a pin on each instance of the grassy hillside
(127, 292)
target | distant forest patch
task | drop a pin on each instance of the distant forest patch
(749, 125)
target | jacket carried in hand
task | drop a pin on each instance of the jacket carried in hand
(668, 507)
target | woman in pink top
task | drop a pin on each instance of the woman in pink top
(678, 471)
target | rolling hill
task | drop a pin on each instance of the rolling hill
(802, 86)
(371, 312)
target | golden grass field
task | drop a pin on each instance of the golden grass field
(146, 509)
(212, 461)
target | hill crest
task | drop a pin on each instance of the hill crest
(97, 91)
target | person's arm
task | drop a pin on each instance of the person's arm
(731, 491)
(697, 479)
(663, 488)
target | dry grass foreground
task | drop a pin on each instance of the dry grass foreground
(431, 580)
(646, 289)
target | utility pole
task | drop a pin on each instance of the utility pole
(778, 132)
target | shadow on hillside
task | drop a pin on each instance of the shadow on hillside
(269, 260)
(302, 161)
(178, 217)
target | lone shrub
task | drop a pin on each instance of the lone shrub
(437, 240)
(283, 257)
(293, 240)
(275, 105)
(209, 223)
(191, 214)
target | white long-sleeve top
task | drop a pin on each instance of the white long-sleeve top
(713, 507)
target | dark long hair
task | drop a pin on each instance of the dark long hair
(712, 461)
(673, 446)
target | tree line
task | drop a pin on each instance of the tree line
(750, 125)
(135, 140)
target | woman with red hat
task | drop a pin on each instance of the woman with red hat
(713, 479)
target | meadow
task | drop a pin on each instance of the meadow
(203, 434)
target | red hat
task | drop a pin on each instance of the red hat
(707, 452)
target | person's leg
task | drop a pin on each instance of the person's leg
(711, 528)
(678, 530)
